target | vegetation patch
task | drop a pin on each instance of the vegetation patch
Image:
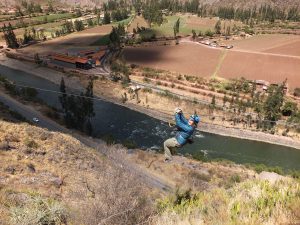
(250, 202)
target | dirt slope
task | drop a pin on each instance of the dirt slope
(58, 168)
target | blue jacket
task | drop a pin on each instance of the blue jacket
(185, 131)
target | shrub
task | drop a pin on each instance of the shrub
(30, 143)
(38, 210)
(109, 139)
(147, 80)
(251, 202)
(297, 92)
(147, 90)
(235, 178)
(130, 144)
(289, 108)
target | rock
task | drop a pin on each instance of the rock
(10, 170)
(31, 167)
(270, 176)
(56, 181)
(4, 146)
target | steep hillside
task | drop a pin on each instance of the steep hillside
(237, 3)
(246, 3)
(52, 177)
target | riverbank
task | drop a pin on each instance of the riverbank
(106, 95)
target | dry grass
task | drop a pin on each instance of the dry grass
(186, 173)
(250, 202)
(58, 167)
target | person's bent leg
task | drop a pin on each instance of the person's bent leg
(168, 145)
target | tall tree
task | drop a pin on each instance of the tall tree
(218, 27)
(176, 27)
(106, 18)
(9, 36)
(78, 24)
(273, 103)
(194, 35)
(89, 107)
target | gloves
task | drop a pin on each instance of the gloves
(178, 110)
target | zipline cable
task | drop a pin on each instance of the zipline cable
(102, 99)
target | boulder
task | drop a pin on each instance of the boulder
(270, 176)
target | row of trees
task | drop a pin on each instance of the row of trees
(263, 13)
(78, 110)
(152, 11)
(28, 7)
(270, 106)
(112, 5)
(118, 15)
(9, 36)
(115, 15)
(69, 27)
(33, 34)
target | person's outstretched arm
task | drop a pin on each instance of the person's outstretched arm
(183, 119)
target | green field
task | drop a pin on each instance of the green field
(53, 17)
(104, 40)
(49, 28)
(166, 29)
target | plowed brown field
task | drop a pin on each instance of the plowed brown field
(82, 39)
(202, 61)
(261, 66)
(183, 58)
(287, 49)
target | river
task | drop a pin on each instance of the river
(147, 132)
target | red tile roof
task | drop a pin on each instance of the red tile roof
(69, 59)
(98, 55)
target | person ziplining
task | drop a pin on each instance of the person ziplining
(185, 131)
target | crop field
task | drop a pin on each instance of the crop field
(48, 28)
(183, 58)
(261, 66)
(39, 19)
(53, 17)
(265, 42)
(203, 61)
(82, 39)
(138, 21)
(189, 23)
(292, 48)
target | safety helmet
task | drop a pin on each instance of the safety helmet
(195, 118)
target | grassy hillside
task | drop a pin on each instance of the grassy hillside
(51, 178)
(250, 202)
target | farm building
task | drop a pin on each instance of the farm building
(95, 56)
(261, 85)
(71, 62)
